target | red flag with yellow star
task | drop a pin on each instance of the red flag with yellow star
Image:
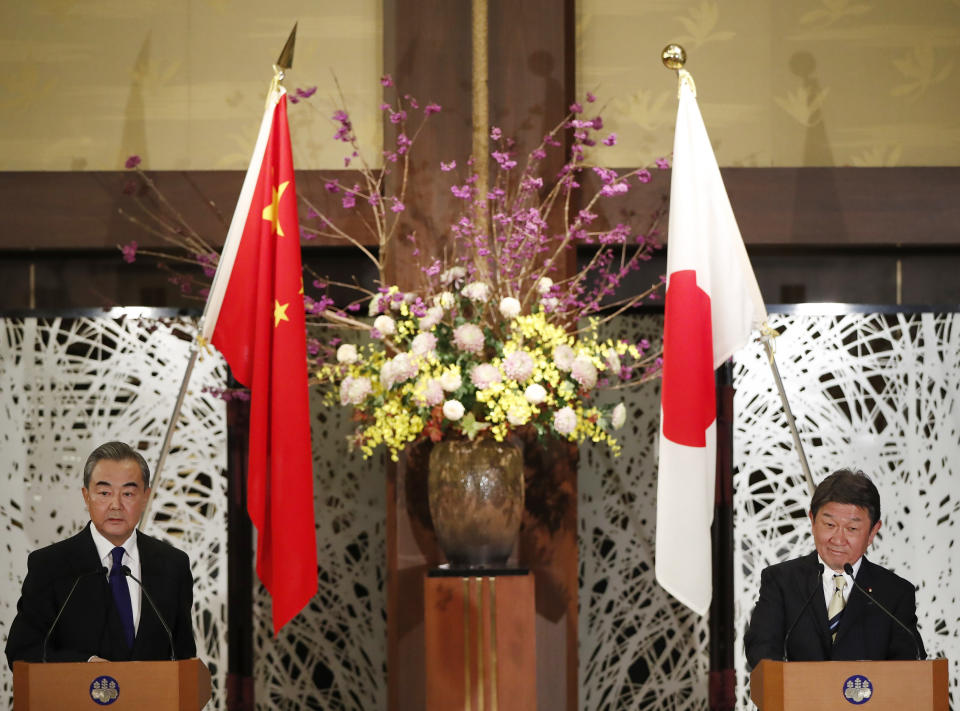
(255, 317)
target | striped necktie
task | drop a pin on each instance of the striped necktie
(835, 611)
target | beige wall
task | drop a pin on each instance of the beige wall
(781, 82)
(85, 83)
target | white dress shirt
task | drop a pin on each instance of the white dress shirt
(829, 588)
(131, 559)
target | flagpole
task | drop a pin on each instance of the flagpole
(165, 449)
(285, 61)
(791, 423)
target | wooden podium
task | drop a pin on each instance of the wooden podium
(825, 686)
(139, 686)
(480, 635)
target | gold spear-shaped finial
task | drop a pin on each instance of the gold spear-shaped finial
(284, 62)
(286, 55)
(674, 56)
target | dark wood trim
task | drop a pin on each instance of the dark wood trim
(722, 686)
(240, 553)
(789, 207)
(827, 207)
(82, 210)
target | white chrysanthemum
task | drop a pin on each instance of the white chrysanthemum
(535, 394)
(386, 374)
(565, 420)
(613, 361)
(423, 344)
(509, 307)
(563, 356)
(544, 285)
(584, 371)
(373, 308)
(618, 416)
(452, 274)
(485, 375)
(444, 300)
(477, 291)
(518, 365)
(453, 410)
(347, 354)
(406, 366)
(549, 303)
(385, 325)
(468, 337)
(397, 370)
(450, 380)
(354, 391)
(433, 317)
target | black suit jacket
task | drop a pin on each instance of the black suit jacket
(865, 632)
(90, 624)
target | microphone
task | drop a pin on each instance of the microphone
(46, 638)
(848, 569)
(818, 586)
(126, 571)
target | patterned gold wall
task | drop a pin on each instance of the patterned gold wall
(781, 82)
(85, 83)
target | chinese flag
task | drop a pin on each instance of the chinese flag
(712, 304)
(255, 317)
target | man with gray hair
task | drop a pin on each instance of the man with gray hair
(81, 599)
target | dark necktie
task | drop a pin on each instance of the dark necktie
(121, 594)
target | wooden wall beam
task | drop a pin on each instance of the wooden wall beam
(782, 207)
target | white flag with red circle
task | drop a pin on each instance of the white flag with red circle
(712, 304)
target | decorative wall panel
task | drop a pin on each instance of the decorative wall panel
(878, 392)
(68, 385)
(639, 647)
(332, 656)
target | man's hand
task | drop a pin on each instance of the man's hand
(95, 658)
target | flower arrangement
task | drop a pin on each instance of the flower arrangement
(494, 336)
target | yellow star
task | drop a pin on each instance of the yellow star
(279, 313)
(271, 211)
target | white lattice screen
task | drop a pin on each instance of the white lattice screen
(879, 392)
(639, 648)
(70, 384)
(333, 654)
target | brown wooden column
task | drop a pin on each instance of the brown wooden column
(428, 51)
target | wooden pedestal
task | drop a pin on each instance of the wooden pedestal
(480, 636)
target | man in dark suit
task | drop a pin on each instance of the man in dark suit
(831, 618)
(107, 617)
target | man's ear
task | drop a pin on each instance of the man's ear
(873, 531)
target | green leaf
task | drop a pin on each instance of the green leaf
(471, 427)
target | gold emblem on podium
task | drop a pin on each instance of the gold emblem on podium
(104, 690)
(857, 689)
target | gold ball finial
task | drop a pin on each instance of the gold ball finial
(673, 56)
